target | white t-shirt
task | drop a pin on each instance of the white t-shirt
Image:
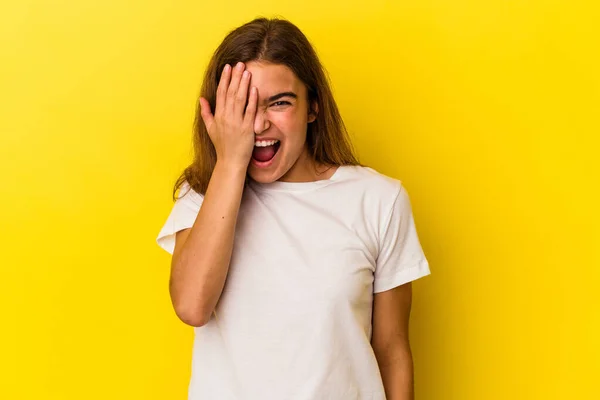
(294, 319)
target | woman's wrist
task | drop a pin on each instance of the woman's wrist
(231, 170)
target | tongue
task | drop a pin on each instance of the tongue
(263, 153)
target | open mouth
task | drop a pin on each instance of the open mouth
(265, 151)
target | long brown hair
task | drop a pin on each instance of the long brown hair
(276, 41)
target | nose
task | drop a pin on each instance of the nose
(261, 122)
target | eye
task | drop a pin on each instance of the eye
(281, 103)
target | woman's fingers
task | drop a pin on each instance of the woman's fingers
(206, 113)
(251, 108)
(236, 77)
(230, 128)
(222, 88)
(241, 95)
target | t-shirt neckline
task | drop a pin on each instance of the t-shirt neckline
(299, 186)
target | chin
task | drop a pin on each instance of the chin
(262, 176)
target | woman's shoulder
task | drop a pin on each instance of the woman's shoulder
(188, 194)
(373, 181)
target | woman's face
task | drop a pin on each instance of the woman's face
(283, 115)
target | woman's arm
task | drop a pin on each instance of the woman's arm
(391, 312)
(202, 253)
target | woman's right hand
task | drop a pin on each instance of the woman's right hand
(231, 128)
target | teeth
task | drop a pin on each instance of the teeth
(265, 143)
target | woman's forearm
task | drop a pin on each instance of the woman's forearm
(396, 368)
(199, 272)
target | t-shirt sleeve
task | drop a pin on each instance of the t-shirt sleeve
(401, 258)
(183, 215)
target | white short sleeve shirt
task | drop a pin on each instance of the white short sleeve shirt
(294, 318)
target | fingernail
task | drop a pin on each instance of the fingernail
(239, 65)
(226, 68)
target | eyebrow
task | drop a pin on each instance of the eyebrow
(280, 95)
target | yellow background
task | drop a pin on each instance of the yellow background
(487, 110)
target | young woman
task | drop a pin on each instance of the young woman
(291, 259)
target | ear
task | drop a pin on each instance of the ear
(313, 111)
